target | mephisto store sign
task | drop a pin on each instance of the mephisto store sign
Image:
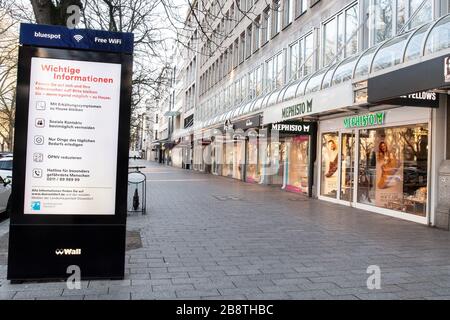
(366, 120)
(328, 99)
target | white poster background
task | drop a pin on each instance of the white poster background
(97, 107)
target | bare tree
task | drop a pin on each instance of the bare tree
(8, 71)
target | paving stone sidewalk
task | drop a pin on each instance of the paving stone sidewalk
(208, 237)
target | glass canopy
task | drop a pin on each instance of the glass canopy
(427, 39)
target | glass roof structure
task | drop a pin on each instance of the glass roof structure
(414, 45)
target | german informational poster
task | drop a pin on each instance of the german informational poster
(72, 137)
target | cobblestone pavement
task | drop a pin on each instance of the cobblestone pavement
(208, 237)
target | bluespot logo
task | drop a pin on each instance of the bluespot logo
(68, 252)
(78, 37)
(36, 205)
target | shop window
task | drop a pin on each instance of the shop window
(329, 166)
(347, 166)
(393, 168)
(297, 161)
(238, 158)
(276, 155)
(254, 165)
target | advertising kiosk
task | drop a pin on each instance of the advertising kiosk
(69, 198)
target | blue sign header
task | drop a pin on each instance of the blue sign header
(62, 37)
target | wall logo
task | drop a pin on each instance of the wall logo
(297, 110)
(367, 120)
(422, 96)
(68, 252)
(36, 205)
(296, 127)
(78, 37)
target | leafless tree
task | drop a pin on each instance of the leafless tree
(8, 71)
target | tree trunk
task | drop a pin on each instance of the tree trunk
(46, 12)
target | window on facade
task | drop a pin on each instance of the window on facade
(300, 6)
(266, 25)
(249, 4)
(269, 81)
(220, 73)
(340, 36)
(248, 42)
(216, 72)
(242, 47)
(239, 10)
(236, 53)
(288, 12)
(391, 17)
(230, 58)
(307, 55)
(256, 33)
(280, 71)
(294, 61)
(251, 84)
(237, 92)
(329, 41)
(275, 72)
(244, 92)
(276, 17)
(301, 61)
(258, 81)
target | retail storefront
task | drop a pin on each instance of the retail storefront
(233, 148)
(383, 133)
(290, 155)
(378, 161)
(201, 153)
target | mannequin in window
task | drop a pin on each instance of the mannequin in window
(332, 154)
(389, 166)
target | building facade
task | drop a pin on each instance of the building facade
(174, 118)
(346, 101)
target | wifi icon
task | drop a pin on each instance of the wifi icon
(78, 37)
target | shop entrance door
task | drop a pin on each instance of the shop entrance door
(277, 162)
(347, 172)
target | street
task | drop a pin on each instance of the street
(207, 237)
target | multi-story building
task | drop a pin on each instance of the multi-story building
(342, 100)
(174, 120)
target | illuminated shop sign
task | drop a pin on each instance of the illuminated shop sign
(297, 110)
(425, 95)
(295, 127)
(366, 120)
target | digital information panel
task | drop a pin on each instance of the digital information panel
(70, 166)
(72, 126)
